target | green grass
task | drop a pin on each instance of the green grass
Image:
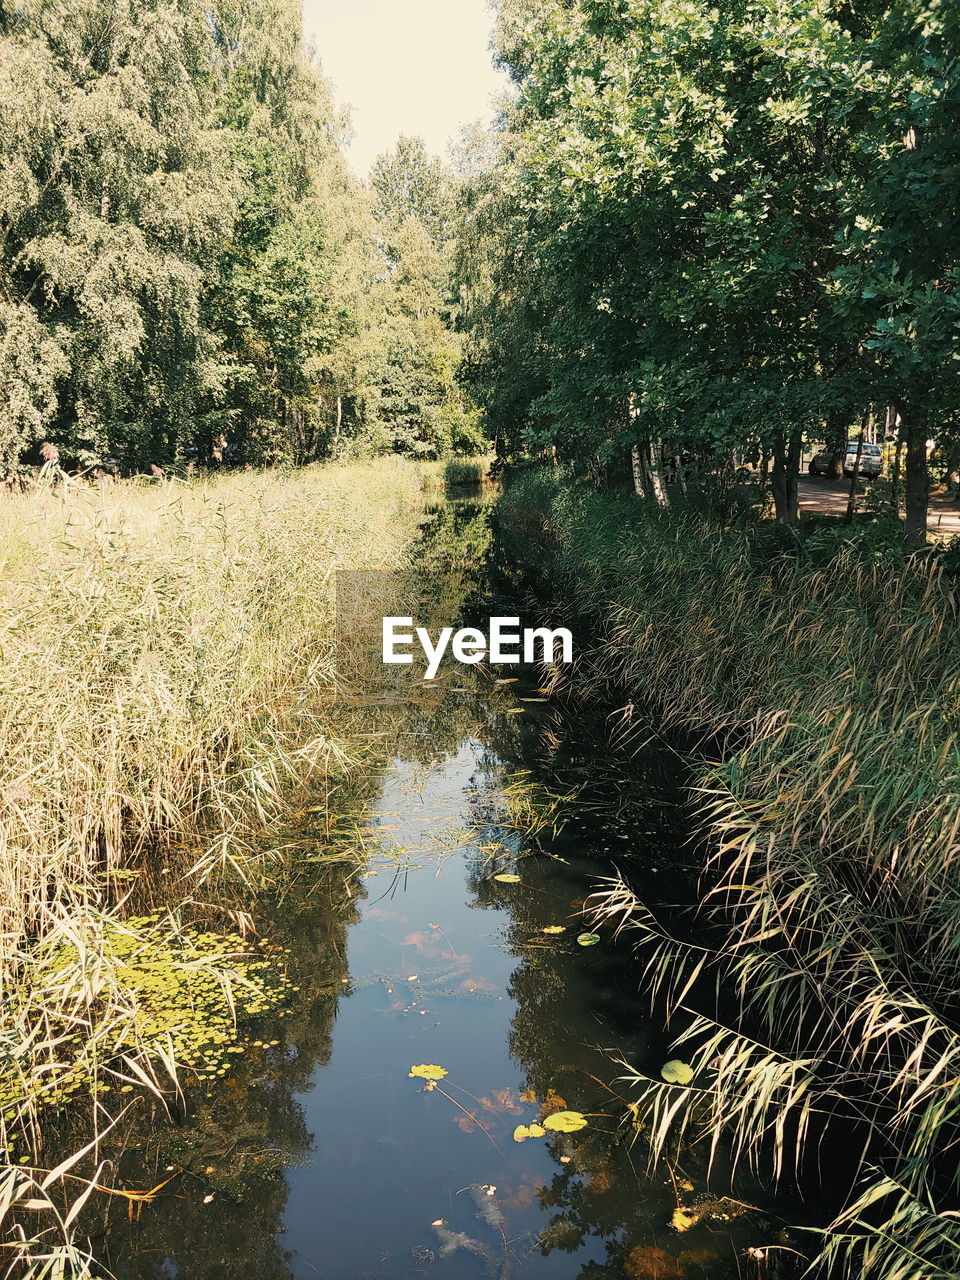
(169, 669)
(453, 474)
(824, 681)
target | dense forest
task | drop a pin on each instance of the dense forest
(725, 228)
(190, 273)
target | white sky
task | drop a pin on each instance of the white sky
(405, 66)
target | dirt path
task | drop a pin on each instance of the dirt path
(820, 494)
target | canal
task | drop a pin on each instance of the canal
(452, 994)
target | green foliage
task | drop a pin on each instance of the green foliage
(412, 366)
(114, 198)
(713, 229)
(189, 274)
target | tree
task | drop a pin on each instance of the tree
(700, 197)
(414, 351)
(114, 197)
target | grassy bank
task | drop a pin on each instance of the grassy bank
(823, 680)
(168, 658)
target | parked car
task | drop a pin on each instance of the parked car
(821, 463)
(871, 460)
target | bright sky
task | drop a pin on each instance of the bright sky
(405, 66)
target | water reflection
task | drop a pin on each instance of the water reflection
(321, 1156)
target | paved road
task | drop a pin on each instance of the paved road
(820, 494)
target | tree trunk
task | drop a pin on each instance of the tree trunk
(339, 424)
(836, 442)
(786, 466)
(639, 479)
(657, 480)
(916, 484)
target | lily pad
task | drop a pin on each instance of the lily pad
(588, 939)
(427, 1071)
(677, 1072)
(524, 1131)
(565, 1121)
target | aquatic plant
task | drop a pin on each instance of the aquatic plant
(170, 691)
(147, 1003)
(818, 984)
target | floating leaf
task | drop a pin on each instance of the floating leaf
(565, 1121)
(427, 1071)
(507, 879)
(555, 928)
(528, 1095)
(589, 939)
(524, 1131)
(677, 1072)
(684, 1219)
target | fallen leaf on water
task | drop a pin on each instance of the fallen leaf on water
(555, 928)
(677, 1072)
(565, 1121)
(507, 879)
(684, 1219)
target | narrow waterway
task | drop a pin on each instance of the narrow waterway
(321, 1156)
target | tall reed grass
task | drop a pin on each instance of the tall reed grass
(818, 993)
(168, 660)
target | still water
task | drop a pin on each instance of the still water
(321, 1158)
